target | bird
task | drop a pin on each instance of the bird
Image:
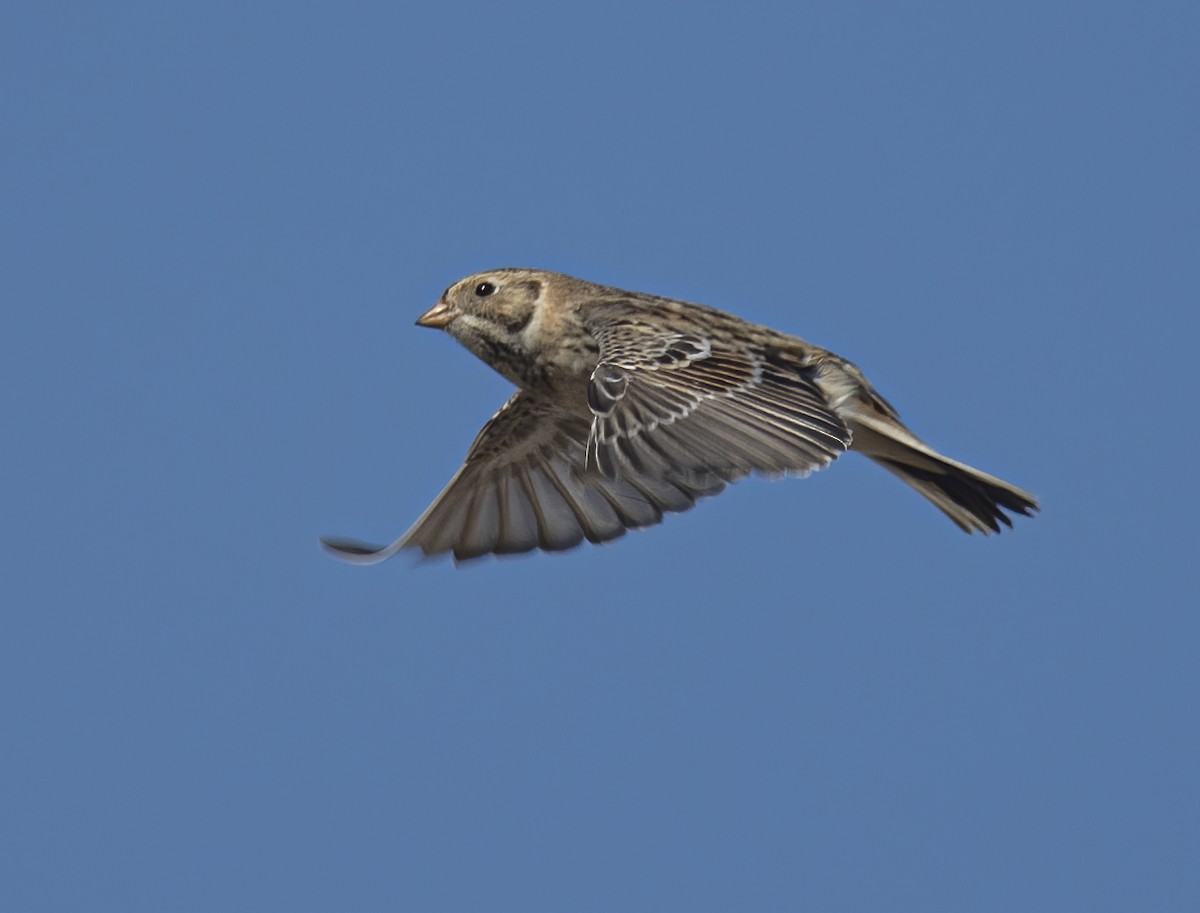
(630, 406)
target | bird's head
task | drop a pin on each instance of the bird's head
(496, 315)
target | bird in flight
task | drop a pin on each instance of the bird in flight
(630, 406)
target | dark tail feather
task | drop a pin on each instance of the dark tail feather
(974, 500)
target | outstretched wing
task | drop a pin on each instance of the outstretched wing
(524, 486)
(690, 403)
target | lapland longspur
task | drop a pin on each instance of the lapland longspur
(630, 406)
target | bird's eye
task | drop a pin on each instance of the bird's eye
(483, 289)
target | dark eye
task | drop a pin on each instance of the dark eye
(483, 289)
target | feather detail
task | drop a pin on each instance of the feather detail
(524, 486)
(665, 403)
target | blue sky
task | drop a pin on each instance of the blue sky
(219, 223)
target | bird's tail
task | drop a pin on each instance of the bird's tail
(974, 500)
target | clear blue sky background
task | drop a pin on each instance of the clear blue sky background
(218, 224)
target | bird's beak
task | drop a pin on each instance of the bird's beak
(439, 316)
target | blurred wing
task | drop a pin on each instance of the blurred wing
(677, 403)
(524, 486)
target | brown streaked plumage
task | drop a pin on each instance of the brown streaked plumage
(630, 406)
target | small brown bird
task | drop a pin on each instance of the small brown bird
(630, 406)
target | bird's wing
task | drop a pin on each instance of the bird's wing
(666, 402)
(525, 486)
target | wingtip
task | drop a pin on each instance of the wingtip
(357, 552)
